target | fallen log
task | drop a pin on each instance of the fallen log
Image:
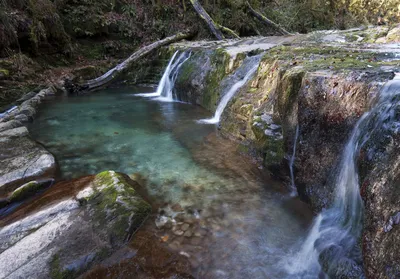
(116, 71)
(206, 17)
(229, 31)
(267, 21)
(215, 28)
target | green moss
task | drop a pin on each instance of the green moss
(56, 271)
(220, 62)
(288, 89)
(4, 72)
(115, 194)
(188, 68)
(351, 38)
(271, 147)
(313, 58)
(26, 190)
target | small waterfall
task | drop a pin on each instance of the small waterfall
(240, 77)
(336, 231)
(291, 164)
(166, 85)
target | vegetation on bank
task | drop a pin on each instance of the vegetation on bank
(38, 35)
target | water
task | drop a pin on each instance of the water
(240, 222)
(335, 235)
(235, 82)
(291, 163)
(166, 85)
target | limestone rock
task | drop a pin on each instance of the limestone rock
(64, 238)
(22, 159)
(9, 125)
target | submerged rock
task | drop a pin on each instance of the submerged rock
(64, 238)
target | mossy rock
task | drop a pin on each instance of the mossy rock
(29, 189)
(339, 59)
(114, 192)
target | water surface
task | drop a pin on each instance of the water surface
(216, 207)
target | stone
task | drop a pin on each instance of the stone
(178, 232)
(64, 237)
(185, 226)
(22, 159)
(29, 189)
(9, 125)
(26, 97)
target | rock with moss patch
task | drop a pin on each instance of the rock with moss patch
(29, 189)
(22, 159)
(70, 235)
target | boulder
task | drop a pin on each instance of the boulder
(22, 159)
(9, 125)
(67, 235)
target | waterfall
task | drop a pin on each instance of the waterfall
(240, 78)
(166, 85)
(291, 164)
(335, 234)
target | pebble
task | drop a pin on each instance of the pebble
(188, 233)
(195, 241)
(184, 254)
(178, 232)
(184, 227)
(200, 233)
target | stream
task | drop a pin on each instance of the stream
(215, 206)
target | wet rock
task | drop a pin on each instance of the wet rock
(66, 237)
(379, 186)
(184, 227)
(178, 232)
(22, 160)
(29, 189)
(9, 125)
(28, 108)
(337, 265)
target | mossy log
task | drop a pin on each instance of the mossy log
(267, 21)
(206, 17)
(116, 71)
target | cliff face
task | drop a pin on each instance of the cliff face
(321, 90)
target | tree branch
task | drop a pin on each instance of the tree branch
(267, 21)
(227, 30)
(206, 17)
(115, 72)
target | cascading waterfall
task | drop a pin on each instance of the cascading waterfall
(240, 77)
(291, 164)
(333, 240)
(166, 85)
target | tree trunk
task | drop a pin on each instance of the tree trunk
(116, 71)
(206, 17)
(267, 21)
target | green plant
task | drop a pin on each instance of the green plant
(129, 10)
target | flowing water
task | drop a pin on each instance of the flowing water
(334, 238)
(291, 163)
(228, 216)
(166, 85)
(233, 83)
